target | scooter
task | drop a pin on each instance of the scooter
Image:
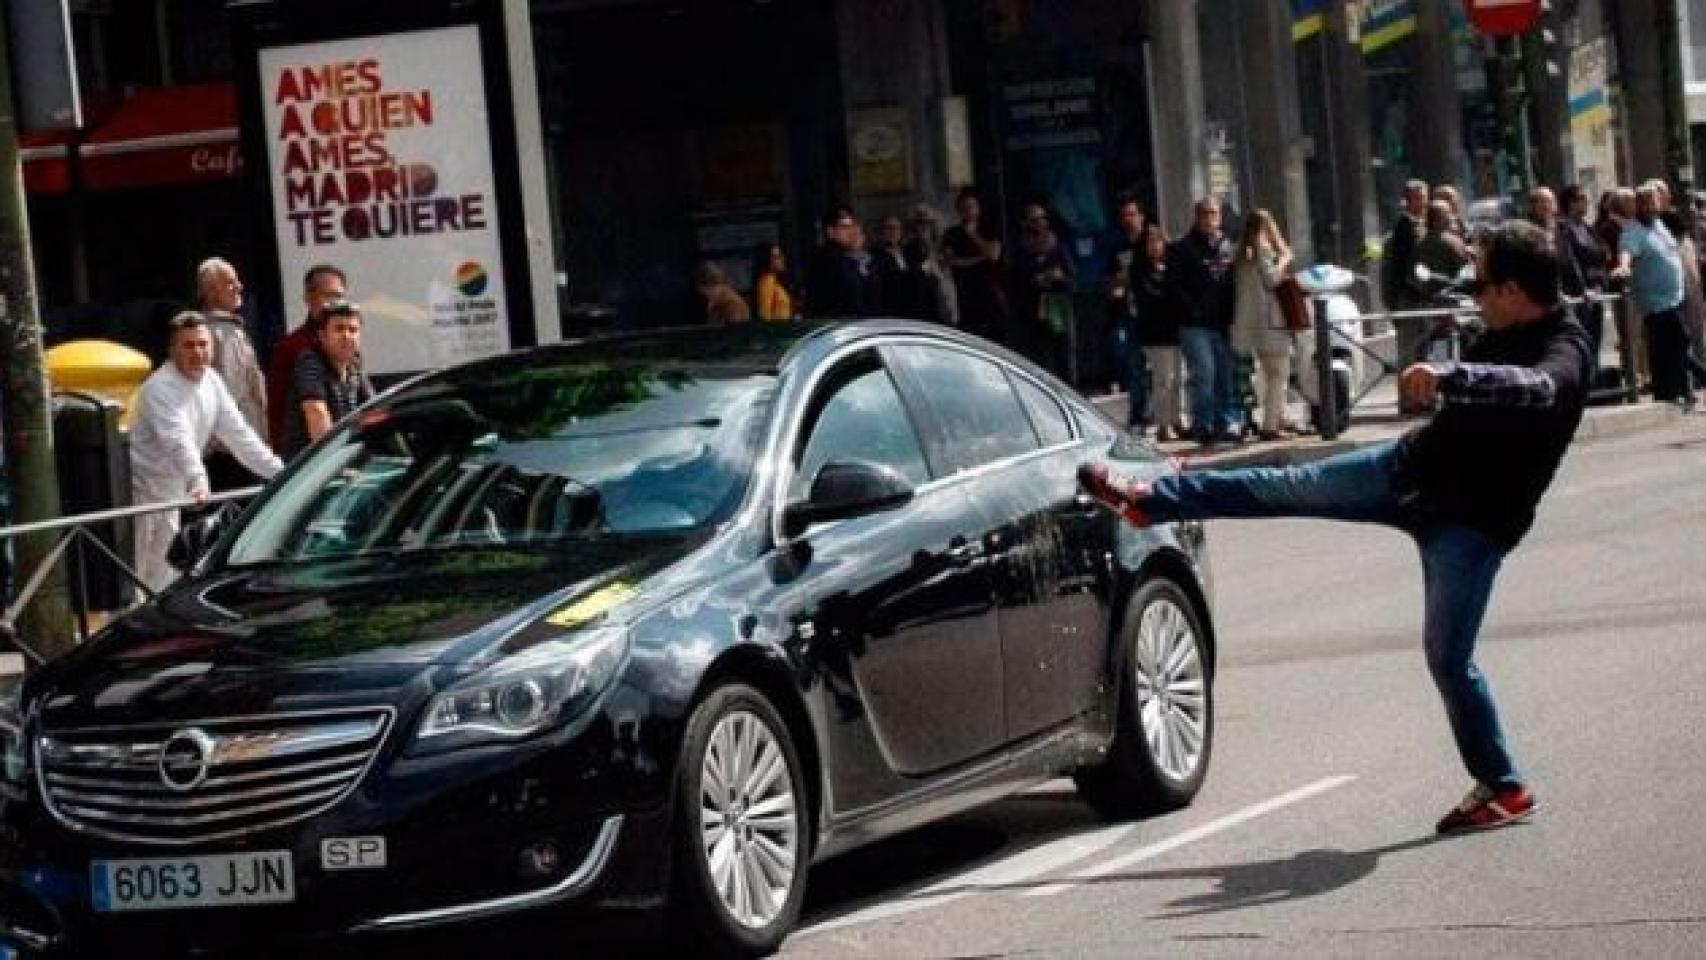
(1450, 335)
(1331, 285)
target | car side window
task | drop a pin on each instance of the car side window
(980, 416)
(863, 419)
(1046, 414)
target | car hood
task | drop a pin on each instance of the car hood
(327, 635)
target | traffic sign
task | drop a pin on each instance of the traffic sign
(1503, 18)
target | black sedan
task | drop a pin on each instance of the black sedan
(653, 621)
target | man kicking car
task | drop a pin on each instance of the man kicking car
(1464, 485)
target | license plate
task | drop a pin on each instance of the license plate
(172, 883)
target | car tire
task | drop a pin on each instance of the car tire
(730, 896)
(1164, 729)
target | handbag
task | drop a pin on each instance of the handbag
(1293, 304)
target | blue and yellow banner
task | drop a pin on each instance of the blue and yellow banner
(1385, 22)
(1307, 18)
(1381, 22)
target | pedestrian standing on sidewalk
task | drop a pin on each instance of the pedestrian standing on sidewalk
(1399, 288)
(1158, 309)
(322, 284)
(1258, 326)
(1201, 268)
(974, 255)
(1125, 255)
(770, 291)
(1465, 486)
(180, 408)
(219, 297)
(1649, 258)
(329, 382)
(839, 285)
(1578, 243)
(1042, 291)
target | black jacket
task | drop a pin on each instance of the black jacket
(1511, 408)
(1155, 301)
(1201, 268)
(838, 286)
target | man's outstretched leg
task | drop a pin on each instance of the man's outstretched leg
(1458, 568)
(1354, 486)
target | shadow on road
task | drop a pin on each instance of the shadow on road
(1238, 886)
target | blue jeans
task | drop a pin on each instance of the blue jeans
(1133, 369)
(1211, 374)
(1459, 565)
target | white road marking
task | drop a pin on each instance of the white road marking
(1022, 866)
(1194, 834)
(1037, 861)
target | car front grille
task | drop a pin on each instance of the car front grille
(205, 780)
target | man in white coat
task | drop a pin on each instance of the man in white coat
(180, 409)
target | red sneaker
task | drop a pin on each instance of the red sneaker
(1119, 494)
(1485, 808)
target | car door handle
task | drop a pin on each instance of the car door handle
(962, 552)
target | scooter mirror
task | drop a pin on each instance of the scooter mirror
(1423, 273)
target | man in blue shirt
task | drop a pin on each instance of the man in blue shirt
(1648, 256)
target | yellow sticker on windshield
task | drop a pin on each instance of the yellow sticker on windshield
(592, 606)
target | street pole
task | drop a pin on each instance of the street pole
(45, 624)
(1679, 163)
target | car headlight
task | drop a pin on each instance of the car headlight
(519, 696)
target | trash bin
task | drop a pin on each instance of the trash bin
(93, 459)
(102, 368)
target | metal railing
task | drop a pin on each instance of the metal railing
(76, 538)
(1454, 320)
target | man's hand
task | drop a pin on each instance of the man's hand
(1419, 385)
(199, 495)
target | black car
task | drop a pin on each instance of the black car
(650, 621)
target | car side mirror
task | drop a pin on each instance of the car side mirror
(844, 489)
(197, 536)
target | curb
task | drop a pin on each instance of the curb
(1601, 423)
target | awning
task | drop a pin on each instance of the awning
(160, 136)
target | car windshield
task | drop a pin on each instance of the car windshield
(531, 455)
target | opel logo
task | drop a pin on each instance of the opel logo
(184, 759)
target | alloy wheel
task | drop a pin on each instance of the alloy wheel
(1171, 689)
(748, 824)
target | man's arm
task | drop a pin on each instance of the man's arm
(1558, 375)
(241, 439)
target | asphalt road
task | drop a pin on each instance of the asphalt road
(1313, 836)
(1314, 833)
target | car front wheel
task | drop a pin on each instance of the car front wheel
(1164, 732)
(742, 829)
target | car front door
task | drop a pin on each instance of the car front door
(1014, 449)
(896, 608)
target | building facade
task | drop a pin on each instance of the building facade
(616, 144)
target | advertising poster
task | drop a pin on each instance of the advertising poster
(1590, 117)
(379, 159)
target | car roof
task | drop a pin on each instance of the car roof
(748, 348)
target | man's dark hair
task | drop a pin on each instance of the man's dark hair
(319, 270)
(1521, 253)
(1128, 198)
(967, 193)
(836, 214)
(1569, 196)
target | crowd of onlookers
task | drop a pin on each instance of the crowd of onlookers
(1200, 318)
(211, 419)
(1204, 339)
(1640, 243)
